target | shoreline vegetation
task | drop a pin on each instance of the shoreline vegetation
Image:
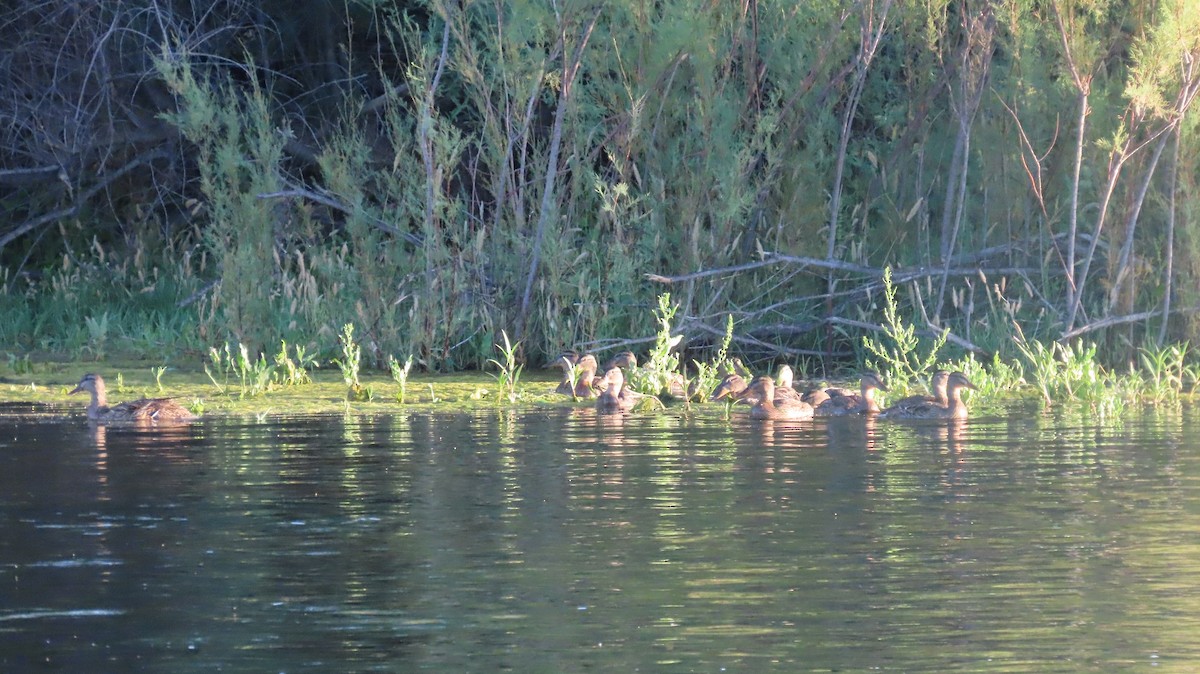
(1010, 188)
(294, 382)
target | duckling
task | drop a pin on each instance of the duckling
(822, 393)
(731, 386)
(769, 406)
(815, 397)
(146, 410)
(586, 380)
(955, 408)
(625, 360)
(905, 406)
(862, 402)
(783, 388)
(565, 361)
(736, 367)
(615, 397)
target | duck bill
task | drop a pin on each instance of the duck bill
(75, 390)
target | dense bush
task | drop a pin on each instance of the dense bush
(436, 173)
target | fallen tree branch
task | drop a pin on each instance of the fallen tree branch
(84, 196)
(1121, 320)
(300, 192)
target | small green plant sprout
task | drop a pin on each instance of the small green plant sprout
(97, 327)
(158, 375)
(294, 371)
(221, 363)
(508, 373)
(432, 397)
(705, 381)
(120, 382)
(572, 372)
(22, 365)
(1164, 369)
(997, 377)
(196, 406)
(400, 375)
(708, 375)
(349, 364)
(254, 375)
(722, 362)
(898, 355)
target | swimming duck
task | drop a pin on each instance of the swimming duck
(783, 388)
(904, 407)
(146, 410)
(769, 406)
(862, 402)
(616, 397)
(954, 408)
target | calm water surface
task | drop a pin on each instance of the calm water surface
(556, 541)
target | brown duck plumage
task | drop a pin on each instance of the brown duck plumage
(954, 408)
(146, 410)
(770, 406)
(862, 402)
(905, 407)
(616, 397)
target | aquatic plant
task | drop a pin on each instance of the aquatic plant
(97, 327)
(1164, 368)
(158, 373)
(900, 355)
(295, 371)
(400, 375)
(708, 375)
(572, 371)
(254, 375)
(662, 364)
(998, 376)
(509, 371)
(20, 365)
(350, 363)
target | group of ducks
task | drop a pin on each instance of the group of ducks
(769, 399)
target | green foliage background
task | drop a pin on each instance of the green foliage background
(436, 173)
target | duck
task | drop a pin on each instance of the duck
(615, 397)
(822, 393)
(954, 408)
(905, 406)
(783, 388)
(769, 406)
(146, 410)
(735, 366)
(676, 385)
(731, 386)
(586, 380)
(862, 402)
(565, 361)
